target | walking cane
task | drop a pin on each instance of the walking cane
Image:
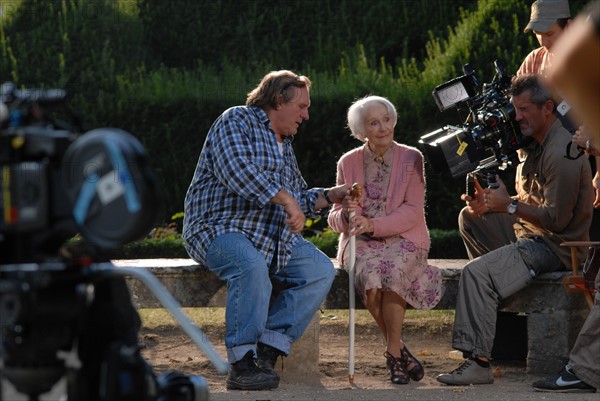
(355, 192)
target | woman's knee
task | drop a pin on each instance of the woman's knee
(373, 297)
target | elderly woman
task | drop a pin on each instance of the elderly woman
(392, 240)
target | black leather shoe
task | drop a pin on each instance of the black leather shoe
(267, 357)
(413, 366)
(245, 374)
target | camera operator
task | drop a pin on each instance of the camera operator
(510, 240)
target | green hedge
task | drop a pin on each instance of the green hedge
(164, 70)
(290, 34)
(444, 245)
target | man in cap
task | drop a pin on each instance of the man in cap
(548, 20)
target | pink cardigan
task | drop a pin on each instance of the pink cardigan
(405, 205)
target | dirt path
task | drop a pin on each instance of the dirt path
(169, 348)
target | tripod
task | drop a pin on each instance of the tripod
(76, 321)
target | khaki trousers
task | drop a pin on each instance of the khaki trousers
(502, 265)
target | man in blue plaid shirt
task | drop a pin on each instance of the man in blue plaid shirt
(244, 210)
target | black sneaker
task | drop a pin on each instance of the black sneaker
(245, 374)
(564, 382)
(267, 358)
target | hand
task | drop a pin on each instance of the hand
(360, 225)
(350, 204)
(476, 204)
(295, 218)
(580, 137)
(337, 194)
(497, 200)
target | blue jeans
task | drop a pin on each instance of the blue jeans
(250, 317)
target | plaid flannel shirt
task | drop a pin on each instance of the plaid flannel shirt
(239, 170)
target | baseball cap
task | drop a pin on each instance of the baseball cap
(544, 14)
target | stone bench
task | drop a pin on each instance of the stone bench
(553, 318)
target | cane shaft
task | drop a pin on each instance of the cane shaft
(351, 302)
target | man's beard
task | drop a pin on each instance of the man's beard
(526, 131)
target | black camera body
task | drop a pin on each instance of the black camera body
(64, 312)
(489, 138)
(57, 182)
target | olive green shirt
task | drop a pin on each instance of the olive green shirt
(562, 191)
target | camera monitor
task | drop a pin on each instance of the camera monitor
(449, 94)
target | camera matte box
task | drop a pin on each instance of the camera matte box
(446, 151)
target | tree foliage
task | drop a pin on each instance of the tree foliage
(164, 70)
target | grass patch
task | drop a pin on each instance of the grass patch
(430, 320)
(201, 317)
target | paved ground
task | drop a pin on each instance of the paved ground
(502, 390)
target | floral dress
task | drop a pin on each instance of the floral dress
(391, 263)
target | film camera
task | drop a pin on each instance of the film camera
(65, 311)
(488, 139)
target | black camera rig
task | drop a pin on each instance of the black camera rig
(65, 311)
(488, 139)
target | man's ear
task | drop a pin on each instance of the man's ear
(279, 101)
(549, 106)
(569, 21)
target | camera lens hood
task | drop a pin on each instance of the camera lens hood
(111, 187)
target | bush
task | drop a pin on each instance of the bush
(289, 34)
(171, 247)
(444, 245)
(80, 46)
(327, 242)
(164, 70)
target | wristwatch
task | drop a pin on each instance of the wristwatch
(512, 206)
(326, 195)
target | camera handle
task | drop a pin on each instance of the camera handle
(491, 179)
(167, 300)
